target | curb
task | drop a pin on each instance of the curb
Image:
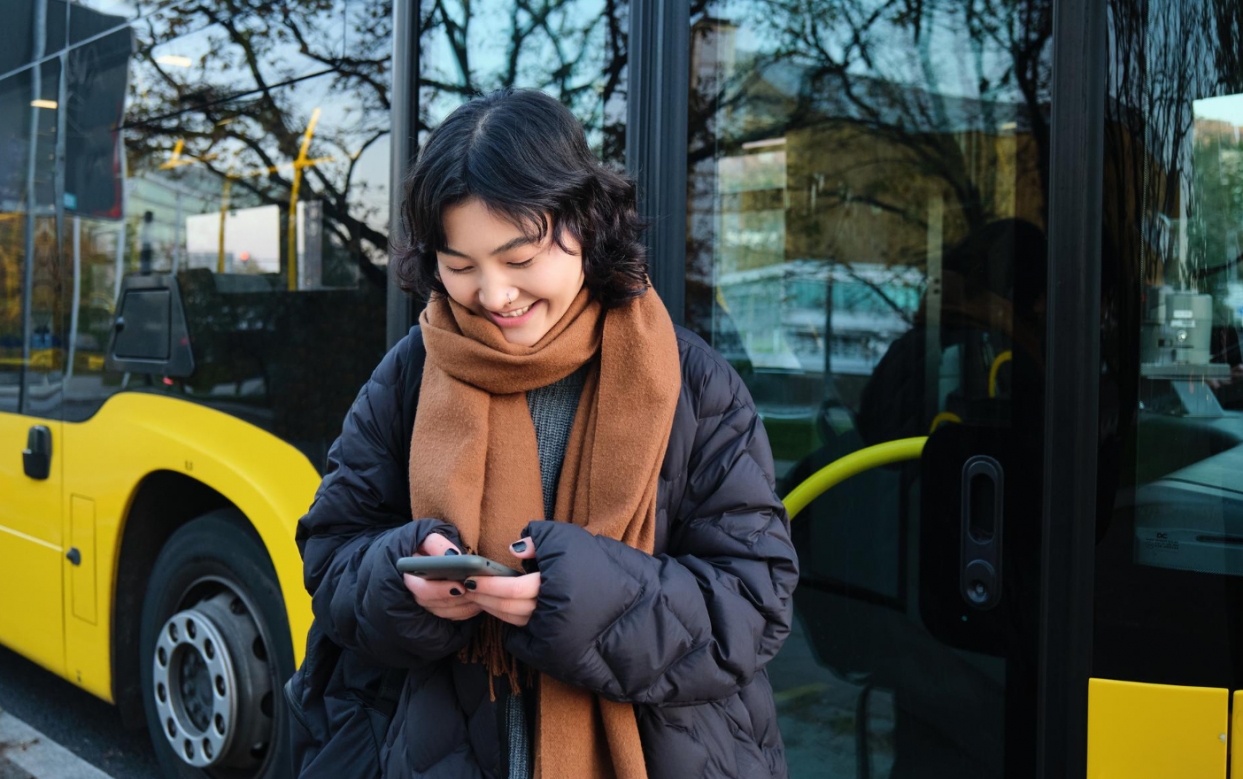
(37, 755)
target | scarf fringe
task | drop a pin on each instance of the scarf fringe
(487, 647)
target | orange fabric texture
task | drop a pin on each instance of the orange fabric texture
(474, 463)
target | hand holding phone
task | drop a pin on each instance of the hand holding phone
(441, 598)
(511, 599)
(501, 591)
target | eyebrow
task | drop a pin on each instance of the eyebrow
(521, 240)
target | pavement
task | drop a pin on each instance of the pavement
(67, 716)
(25, 753)
(50, 729)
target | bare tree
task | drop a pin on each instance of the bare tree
(571, 49)
(888, 104)
(874, 67)
(239, 110)
(1163, 62)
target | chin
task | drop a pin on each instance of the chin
(523, 339)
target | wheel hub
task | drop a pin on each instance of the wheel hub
(210, 683)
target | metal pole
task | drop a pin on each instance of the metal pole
(656, 126)
(1072, 386)
(403, 148)
(58, 191)
(77, 295)
(177, 236)
(224, 215)
(119, 271)
(28, 275)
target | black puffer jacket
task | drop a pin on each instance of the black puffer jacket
(684, 635)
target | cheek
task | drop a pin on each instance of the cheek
(459, 287)
(569, 276)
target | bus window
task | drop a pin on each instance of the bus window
(254, 170)
(14, 136)
(30, 278)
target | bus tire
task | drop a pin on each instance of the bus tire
(215, 653)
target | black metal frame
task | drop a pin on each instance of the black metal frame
(1072, 384)
(405, 139)
(658, 84)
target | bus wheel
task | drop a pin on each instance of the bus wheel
(216, 651)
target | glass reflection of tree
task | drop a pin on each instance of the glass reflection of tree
(1164, 63)
(239, 110)
(574, 50)
(897, 104)
(1216, 193)
(1169, 205)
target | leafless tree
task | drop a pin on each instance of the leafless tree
(573, 50)
(870, 65)
(240, 111)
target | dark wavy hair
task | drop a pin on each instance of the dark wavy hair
(525, 157)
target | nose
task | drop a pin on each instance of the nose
(495, 292)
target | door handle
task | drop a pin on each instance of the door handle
(983, 490)
(37, 457)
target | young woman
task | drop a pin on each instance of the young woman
(564, 426)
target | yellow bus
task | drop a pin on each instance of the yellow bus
(977, 263)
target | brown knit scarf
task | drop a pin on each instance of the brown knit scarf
(474, 463)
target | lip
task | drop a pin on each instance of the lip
(517, 321)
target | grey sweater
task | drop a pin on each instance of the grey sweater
(552, 410)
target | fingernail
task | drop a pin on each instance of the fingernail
(518, 546)
(470, 584)
(454, 591)
(451, 552)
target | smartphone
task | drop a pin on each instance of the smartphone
(453, 567)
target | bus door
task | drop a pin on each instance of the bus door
(31, 542)
(31, 364)
(867, 246)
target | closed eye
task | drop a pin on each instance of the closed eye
(467, 269)
(525, 264)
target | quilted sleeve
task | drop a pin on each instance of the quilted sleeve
(696, 623)
(360, 523)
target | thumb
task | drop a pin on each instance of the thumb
(523, 549)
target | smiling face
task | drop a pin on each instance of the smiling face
(491, 267)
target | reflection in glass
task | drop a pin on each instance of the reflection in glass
(865, 244)
(88, 18)
(1170, 525)
(31, 333)
(19, 35)
(246, 156)
(574, 50)
(15, 130)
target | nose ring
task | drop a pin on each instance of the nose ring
(510, 299)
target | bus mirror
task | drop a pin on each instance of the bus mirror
(149, 333)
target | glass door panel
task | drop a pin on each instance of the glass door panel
(1169, 557)
(866, 245)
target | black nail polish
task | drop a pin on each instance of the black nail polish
(470, 584)
(518, 546)
(451, 552)
(454, 591)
